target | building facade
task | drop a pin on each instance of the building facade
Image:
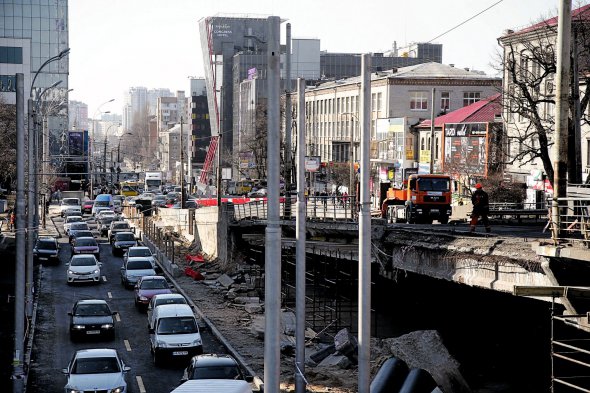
(399, 99)
(78, 119)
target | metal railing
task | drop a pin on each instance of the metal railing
(574, 215)
(324, 208)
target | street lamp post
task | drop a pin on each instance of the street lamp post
(119, 154)
(351, 159)
(104, 158)
(91, 148)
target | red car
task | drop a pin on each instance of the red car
(87, 206)
(147, 287)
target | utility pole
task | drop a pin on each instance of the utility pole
(561, 112)
(432, 134)
(575, 169)
(364, 286)
(104, 158)
(272, 265)
(182, 191)
(19, 288)
(288, 120)
(300, 244)
(30, 207)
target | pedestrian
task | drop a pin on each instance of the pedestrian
(58, 195)
(344, 198)
(324, 196)
(481, 208)
(12, 220)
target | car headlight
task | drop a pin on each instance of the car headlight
(119, 389)
(78, 327)
(107, 326)
(96, 271)
(161, 344)
(197, 342)
(75, 391)
(117, 245)
(70, 272)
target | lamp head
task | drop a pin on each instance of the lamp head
(63, 53)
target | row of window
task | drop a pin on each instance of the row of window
(11, 55)
(419, 99)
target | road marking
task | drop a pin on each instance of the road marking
(127, 345)
(140, 384)
(110, 295)
(117, 317)
(104, 278)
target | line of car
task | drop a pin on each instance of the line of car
(172, 326)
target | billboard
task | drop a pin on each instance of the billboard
(312, 163)
(465, 147)
(76, 143)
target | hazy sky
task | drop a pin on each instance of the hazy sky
(116, 44)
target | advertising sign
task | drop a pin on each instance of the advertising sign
(76, 143)
(425, 156)
(312, 163)
(247, 160)
(466, 148)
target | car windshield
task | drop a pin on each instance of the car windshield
(92, 309)
(85, 242)
(216, 372)
(79, 225)
(107, 220)
(96, 365)
(70, 201)
(125, 237)
(174, 300)
(86, 261)
(47, 245)
(154, 284)
(139, 265)
(73, 219)
(177, 325)
(101, 203)
(433, 184)
(159, 198)
(122, 225)
(88, 203)
(140, 252)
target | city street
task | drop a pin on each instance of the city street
(53, 348)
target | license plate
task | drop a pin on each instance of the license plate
(434, 210)
(180, 353)
(43, 258)
(93, 332)
(87, 251)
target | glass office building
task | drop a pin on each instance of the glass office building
(31, 32)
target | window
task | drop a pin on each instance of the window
(470, 97)
(587, 152)
(445, 101)
(11, 55)
(418, 101)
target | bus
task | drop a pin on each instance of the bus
(129, 188)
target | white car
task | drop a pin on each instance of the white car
(96, 370)
(70, 220)
(141, 251)
(83, 268)
(70, 205)
(104, 213)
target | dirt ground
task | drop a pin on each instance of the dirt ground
(234, 323)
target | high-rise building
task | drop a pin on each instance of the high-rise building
(32, 32)
(78, 119)
(200, 124)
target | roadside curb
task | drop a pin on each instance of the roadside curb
(257, 380)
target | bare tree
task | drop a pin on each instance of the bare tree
(7, 143)
(529, 66)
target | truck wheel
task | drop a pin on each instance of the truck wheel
(444, 219)
(409, 218)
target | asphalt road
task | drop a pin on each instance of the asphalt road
(53, 349)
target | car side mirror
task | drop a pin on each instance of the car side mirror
(150, 330)
(115, 313)
(122, 268)
(126, 369)
(99, 264)
(70, 313)
(68, 264)
(249, 378)
(64, 371)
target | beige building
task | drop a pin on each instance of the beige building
(400, 98)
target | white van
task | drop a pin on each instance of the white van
(174, 333)
(214, 386)
(103, 202)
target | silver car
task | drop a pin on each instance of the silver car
(96, 370)
(83, 268)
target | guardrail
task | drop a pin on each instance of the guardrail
(324, 208)
(574, 215)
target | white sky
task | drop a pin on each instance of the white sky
(116, 44)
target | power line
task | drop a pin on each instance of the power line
(465, 21)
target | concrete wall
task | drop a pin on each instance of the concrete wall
(206, 224)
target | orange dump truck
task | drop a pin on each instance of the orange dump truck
(422, 199)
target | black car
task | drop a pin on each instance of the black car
(122, 241)
(75, 233)
(91, 318)
(213, 366)
(46, 250)
(104, 224)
